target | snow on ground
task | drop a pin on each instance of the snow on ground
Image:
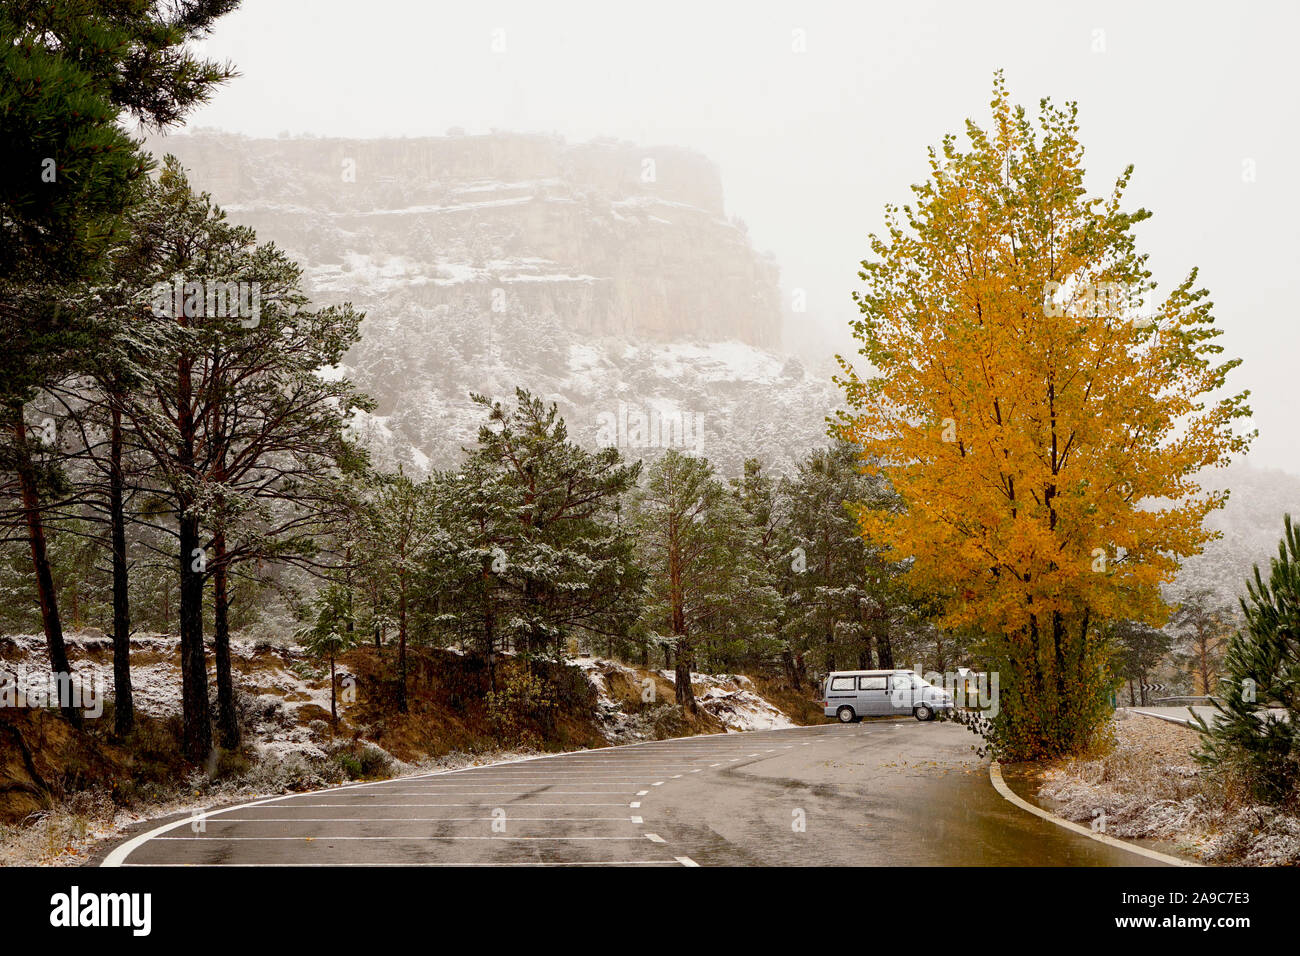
(731, 699)
(274, 690)
(728, 697)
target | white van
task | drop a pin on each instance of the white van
(852, 695)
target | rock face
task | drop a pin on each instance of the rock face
(608, 238)
(601, 277)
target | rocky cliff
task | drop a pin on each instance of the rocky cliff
(608, 238)
(601, 277)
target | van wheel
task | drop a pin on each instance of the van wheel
(846, 715)
(923, 712)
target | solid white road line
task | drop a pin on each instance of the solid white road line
(434, 863)
(530, 804)
(380, 839)
(509, 818)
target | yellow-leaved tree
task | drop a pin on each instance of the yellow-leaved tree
(1039, 413)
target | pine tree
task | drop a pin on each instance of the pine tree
(1139, 647)
(568, 565)
(330, 634)
(680, 515)
(1262, 672)
(404, 530)
(69, 72)
(843, 602)
(244, 434)
(1203, 628)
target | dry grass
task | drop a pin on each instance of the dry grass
(1146, 784)
(799, 705)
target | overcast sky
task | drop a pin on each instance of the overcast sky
(812, 144)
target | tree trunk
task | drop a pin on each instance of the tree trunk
(884, 647)
(489, 632)
(791, 671)
(196, 713)
(227, 716)
(123, 699)
(685, 692)
(401, 648)
(334, 711)
(59, 665)
(677, 598)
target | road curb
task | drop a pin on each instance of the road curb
(1000, 785)
(1167, 718)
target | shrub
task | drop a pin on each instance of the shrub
(523, 702)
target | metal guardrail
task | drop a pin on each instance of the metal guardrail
(1185, 697)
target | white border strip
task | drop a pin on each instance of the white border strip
(1168, 718)
(1000, 785)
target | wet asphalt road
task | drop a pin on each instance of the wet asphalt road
(896, 792)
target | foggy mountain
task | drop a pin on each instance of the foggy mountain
(1251, 525)
(601, 276)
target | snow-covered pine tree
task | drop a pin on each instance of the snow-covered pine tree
(1262, 672)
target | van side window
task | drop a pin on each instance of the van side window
(871, 683)
(841, 683)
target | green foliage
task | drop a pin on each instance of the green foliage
(530, 548)
(329, 634)
(1262, 671)
(1138, 648)
(524, 702)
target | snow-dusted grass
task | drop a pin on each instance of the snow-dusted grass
(1147, 785)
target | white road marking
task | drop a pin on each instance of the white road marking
(642, 793)
(326, 839)
(657, 783)
(511, 818)
(655, 838)
(435, 863)
(637, 820)
(685, 861)
(635, 804)
(531, 803)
